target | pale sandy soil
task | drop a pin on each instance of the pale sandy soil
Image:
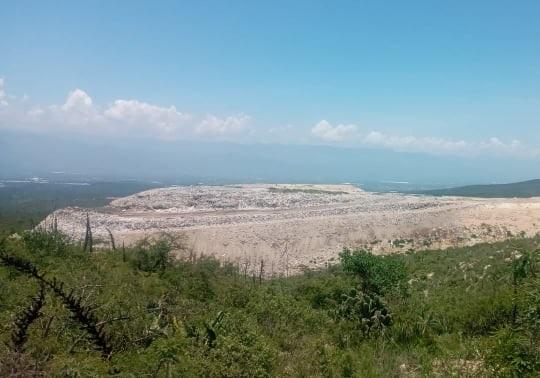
(290, 227)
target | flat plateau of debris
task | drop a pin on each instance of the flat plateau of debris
(291, 227)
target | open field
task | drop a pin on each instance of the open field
(295, 226)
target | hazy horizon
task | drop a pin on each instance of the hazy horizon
(28, 155)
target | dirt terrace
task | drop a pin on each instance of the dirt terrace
(291, 227)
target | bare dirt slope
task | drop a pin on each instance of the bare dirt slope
(296, 226)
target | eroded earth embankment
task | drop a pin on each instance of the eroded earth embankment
(294, 226)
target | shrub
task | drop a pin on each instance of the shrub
(368, 313)
(377, 274)
(151, 257)
(239, 354)
(512, 353)
(43, 242)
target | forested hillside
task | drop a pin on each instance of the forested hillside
(519, 189)
(23, 205)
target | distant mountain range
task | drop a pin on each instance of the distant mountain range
(77, 157)
(522, 189)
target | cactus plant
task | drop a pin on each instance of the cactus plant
(25, 319)
(366, 310)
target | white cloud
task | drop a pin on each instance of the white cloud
(3, 96)
(78, 100)
(133, 117)
(215, 126)
(442, 146)
(439, 146)
(122, 117)
(78, 110)
(165, 122)
(328, 133)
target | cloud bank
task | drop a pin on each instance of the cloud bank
(121, 118)
(352, 135)
(136, 118)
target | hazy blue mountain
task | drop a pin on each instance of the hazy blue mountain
(25, 154)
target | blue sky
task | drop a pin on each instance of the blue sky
(454, 77)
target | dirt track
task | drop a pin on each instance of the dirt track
(296, 226)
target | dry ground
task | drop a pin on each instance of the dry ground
(290, 227)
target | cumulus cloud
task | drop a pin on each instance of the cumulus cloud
(326, 132)
(121, 117)
(78, 100)
(78, 110)
(215, 126)
(80, 113)
(164, 121)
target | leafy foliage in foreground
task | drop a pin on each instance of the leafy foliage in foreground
(465, 312)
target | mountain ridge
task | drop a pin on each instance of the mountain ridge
(520, 189)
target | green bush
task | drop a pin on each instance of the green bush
(378, 274)
(151, 257)
(43, 242)
(512, 353)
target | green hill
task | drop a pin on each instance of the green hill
(522, 189)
